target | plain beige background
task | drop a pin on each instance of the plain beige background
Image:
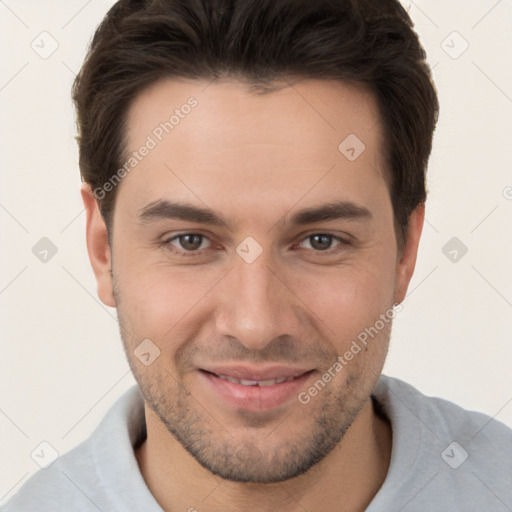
(62, 363)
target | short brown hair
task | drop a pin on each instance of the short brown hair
(262, 42)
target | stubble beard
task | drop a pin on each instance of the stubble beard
(251, 458)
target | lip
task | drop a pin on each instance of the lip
(254, 398)
(257, 373)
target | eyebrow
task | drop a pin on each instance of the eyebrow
(337, 210)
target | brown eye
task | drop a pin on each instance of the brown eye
(324, 244)
(321, 242)
(187, 243)
(190, 242)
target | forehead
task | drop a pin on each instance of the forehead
(209, 139)
(319, 112)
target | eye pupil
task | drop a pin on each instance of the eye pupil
(321, 242)
(191, 242)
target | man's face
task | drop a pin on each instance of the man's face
(264, 294)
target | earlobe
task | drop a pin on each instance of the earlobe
(407, 261)
(97, 247)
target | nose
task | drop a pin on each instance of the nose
(255, 305)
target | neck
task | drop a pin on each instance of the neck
(349, 476)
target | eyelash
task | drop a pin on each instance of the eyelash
(198, 252)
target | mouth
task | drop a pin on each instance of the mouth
(248, 382)
(254, 390)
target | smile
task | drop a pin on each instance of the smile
(252, 390)
(245, 382)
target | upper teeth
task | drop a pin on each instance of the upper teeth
(246, 382)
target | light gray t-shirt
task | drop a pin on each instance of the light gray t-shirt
(444, 458)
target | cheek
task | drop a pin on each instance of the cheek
(160, 301)
(349, 300)
(156, 298)
(356, 317)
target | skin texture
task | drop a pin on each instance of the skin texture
(256, 160)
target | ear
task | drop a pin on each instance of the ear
(97, 247)
(407, 261)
